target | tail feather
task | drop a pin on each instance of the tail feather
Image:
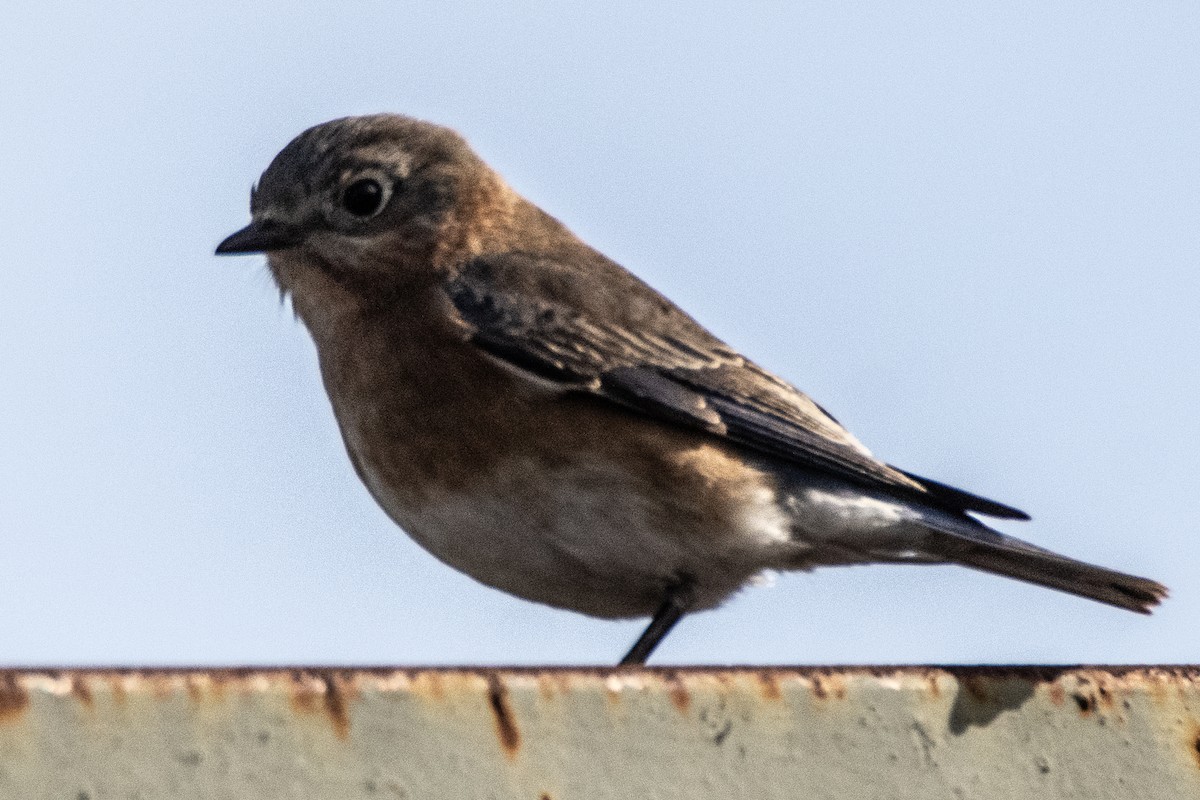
(1068, 575)
(979, 547)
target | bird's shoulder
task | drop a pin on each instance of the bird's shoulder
(585, 320)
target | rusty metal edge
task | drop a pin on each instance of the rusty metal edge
(1031, 671)
(509, 696)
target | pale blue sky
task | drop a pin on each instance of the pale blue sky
(970, 233)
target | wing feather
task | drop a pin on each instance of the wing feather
(596, 328)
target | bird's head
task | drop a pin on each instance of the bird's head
(373, 200)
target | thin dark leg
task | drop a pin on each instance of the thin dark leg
(677, 602)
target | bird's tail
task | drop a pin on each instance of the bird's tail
(971, 543)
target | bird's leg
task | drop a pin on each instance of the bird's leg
(676, 603)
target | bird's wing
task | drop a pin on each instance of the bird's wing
(594, 327)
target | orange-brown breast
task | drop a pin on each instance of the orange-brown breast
(558, 497)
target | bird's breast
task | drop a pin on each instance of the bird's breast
(557, 497)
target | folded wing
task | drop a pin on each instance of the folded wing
(593, 327)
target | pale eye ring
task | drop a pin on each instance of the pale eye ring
(364, 198)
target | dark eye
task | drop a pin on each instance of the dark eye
(363, 198)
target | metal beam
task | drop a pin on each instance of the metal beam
(559, 734)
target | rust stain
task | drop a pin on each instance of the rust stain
(826, 685)
(677, 691)
(506, 723)
(1058, 695)
(770, 686)
(304, 698)
(194, 692)
(81, 691)
(1196, 745)
(322, 692)
(336, 704)
(116, 685)
(935, 688)
(13, 698)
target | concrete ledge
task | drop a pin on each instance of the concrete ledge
(559, 734)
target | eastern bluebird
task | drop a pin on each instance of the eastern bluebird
(542, 420)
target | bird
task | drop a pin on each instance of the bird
(537, 417)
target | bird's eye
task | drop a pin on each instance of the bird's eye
(363, 198)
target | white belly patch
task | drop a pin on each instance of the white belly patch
(585, 536)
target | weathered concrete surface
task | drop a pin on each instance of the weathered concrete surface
(558, 734)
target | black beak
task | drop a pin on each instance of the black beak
(261, 237)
